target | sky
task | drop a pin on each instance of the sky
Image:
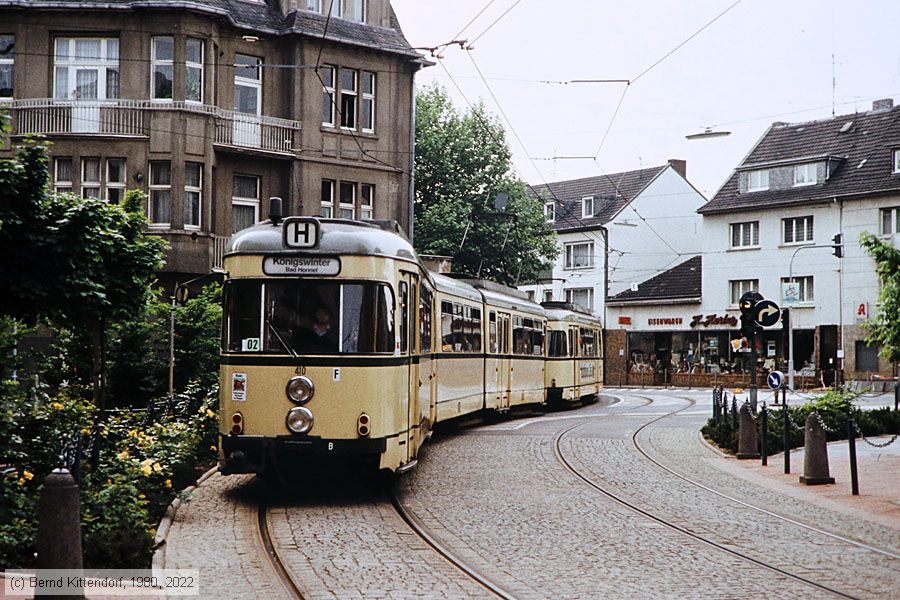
(759, 62)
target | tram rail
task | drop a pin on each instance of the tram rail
(290, 586)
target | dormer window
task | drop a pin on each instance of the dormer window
(896, 161)
(805, 174)
(587, 207)
(354, 10)
(550, 211)
(758, 181)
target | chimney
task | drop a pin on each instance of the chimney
(680, 166)
(436, 263)
(883, 105)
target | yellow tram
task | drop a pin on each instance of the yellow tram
(338, 342)
(574, 367)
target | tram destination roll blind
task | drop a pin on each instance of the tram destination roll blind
(302, 265)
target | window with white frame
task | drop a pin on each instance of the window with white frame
(550, 211)
(745, 235)
(247, 84)
(797, 230)
(366, 201)
(336, 7)
(86, 69)
(587, 207)
(162, 60)
(327, 202)
(805, 174)
(367, 108)
(314, 5)
(159, 211)
(348, 199)
(548, 295)
(7, 65)
(583, 297)
(193, 194)
(328, 95)
(580, 255)
(355, 10)
(890, 220)
(244, 202)
(63, 174)
(115, 180)
(896, 161)
(193, 64)
(804, 287)
(739, 287)
(758, 181)
(90, 178)
(348, 81)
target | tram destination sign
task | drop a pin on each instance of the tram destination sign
(302, 266)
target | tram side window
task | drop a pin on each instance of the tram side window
(460, 328)
(447, 326)
(520, 335)
(492, 333)
(472, 332)
(557, 343)
(404, 317)
(537, 339)
(242, 321)
(425, 303)
(587, 342)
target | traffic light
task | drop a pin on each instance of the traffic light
(838, 245)
(749, 328)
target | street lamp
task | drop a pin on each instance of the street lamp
(706, 134)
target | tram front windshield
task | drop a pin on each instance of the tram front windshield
(308, 317)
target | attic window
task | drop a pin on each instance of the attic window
(757, 181)
(550, 212)
(805, 174)
(896, 161)
(846, 127)
(587, 207)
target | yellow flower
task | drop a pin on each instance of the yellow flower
(109, 482)
(123, 455)
(86, 431)
(147, 462)
(133, 433)
(21, 481)
(210, 413)
(157, 467)
(28, 475)
(213, 448)
(168, 483)
(146, 470)
(57, 405)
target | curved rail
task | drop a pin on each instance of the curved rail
(290, 586)
(618, 499)
(419, 529)
(746, 504)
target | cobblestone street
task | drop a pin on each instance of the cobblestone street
(500, 499)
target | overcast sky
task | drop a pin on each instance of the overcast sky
(763, 61)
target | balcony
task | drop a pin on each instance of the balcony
(131, 118)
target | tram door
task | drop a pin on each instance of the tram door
(409, 346)
(504, 372)
(426, 380)
(575, 362)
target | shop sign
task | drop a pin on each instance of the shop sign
(624, 320)
(665, 321)
(862, 312)
(714, 320)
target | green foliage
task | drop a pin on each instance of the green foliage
(143, 464)
(834, 408)
(884, 328)
(198, 325)
(462, 163)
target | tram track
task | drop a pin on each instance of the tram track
(573, 470)
(422, 532)
(284, 577)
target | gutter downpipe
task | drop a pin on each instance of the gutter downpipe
(412, 150)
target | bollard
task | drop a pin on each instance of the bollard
(734, 413)
(59, 527)
(815, 460)
(763, 442)
(786, 416)
(897, 396)
(747, 444)
(851, 437)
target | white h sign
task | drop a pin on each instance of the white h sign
(301, 233)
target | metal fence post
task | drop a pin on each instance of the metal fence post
(786, 418)
(765, 434)
(851, 437)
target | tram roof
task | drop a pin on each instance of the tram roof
(569, 316)
(448, 285)
(338, 236)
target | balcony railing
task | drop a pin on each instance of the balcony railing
(217, 258)
(131, 118)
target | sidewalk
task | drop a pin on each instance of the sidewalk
(879, 480)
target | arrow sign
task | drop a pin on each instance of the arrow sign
(775, 380)
(766, 313)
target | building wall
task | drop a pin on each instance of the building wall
(171, 133)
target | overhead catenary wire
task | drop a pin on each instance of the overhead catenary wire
(491, 26)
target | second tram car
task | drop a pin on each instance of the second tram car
(338, 342)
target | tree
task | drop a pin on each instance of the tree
(462, 166)
(80, 263)
(884, 328)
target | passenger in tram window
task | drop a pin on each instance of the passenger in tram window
(321, 336)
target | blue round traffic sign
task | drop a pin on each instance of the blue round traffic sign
(775, 380)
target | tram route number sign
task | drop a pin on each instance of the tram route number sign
(301, 232)
(775, 380)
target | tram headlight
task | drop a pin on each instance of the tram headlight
(299, 419)
(300, 389)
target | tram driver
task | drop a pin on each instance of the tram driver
(320, 336)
